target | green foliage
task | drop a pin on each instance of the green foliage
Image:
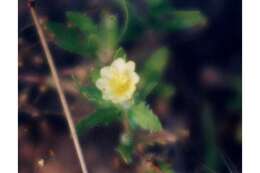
(161, 16)
(69, 38)
(100, 117)
(211, 150)
(83, 22)
(120, 53)
(124, 5)
(81, 35)
(94, 75)
(108, 32)
(94, 95)
(84, 37)
(165, 167)
(140, 115)
(164, 90)
(152, 71)
(155, 3)
(126, 148)
(186, 19)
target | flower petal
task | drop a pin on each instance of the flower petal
(130, 66)
(119, 64)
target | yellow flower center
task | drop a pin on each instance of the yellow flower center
(120, 84)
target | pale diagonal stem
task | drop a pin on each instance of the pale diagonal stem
(59, 89)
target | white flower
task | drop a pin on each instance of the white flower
(118, 81)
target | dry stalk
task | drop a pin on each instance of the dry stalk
(58, 86)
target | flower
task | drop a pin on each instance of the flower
(118, 81)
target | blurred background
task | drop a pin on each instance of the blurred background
(201, 95)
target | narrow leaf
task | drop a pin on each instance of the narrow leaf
(152, 71)
(186, 19)
(109, 32)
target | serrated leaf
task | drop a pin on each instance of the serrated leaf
(120, 53)
(81, 21)
(152, 71)
(100, 117)
(186, 19)
(94, 95)
(69, 38)
(140, 115)
(125, 148)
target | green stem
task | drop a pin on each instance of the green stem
(125, 8)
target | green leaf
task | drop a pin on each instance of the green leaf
(126, 148)
(140, 115)
(159, 6)
(152, 71)
(109, 32)
(186, 19)
(154, 3)
(83, 22)
(101, 117)
(69, 39)
(95, 75)
(165, 90)
(120, 53)
(94, 95)
(165, 167)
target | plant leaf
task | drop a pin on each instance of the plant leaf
(165, 167)
(94, 95)
(100, 117)
(152, 71)
(95, 75)
(186, 19)
(81, 21)
(120, 53)
(140, 115)
(69, 38)
(126, 148)
(165, 90)
(109, 32)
